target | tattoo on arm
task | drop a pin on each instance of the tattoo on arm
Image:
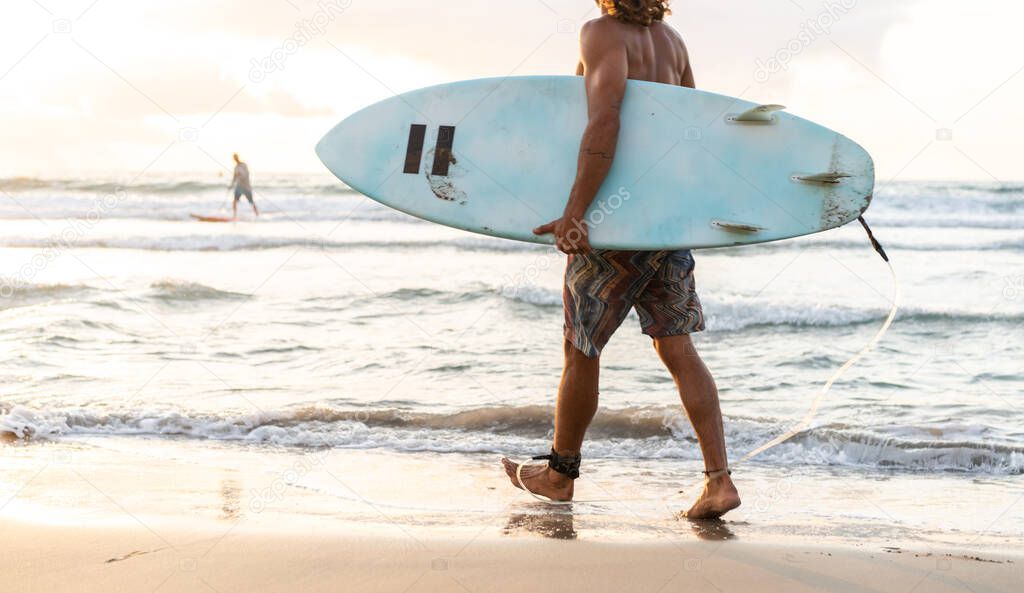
(602, 154)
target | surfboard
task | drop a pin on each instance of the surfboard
(693, 169)
(202, 218)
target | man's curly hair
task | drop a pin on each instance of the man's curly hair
(637, 12)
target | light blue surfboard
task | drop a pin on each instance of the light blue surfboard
(693, 169)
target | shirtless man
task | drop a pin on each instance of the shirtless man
(628, 41)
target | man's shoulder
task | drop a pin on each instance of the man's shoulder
(602, 35)
(602, 25)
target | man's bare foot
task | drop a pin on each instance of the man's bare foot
(719, 497)
(540, 479)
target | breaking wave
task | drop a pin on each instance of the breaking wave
(645, 433)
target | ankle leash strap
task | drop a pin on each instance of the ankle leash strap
(568, 465)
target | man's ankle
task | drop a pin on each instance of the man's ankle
(723, 484)
(558, 479)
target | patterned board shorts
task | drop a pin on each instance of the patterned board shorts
(602, 286)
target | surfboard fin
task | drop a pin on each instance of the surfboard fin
(762, 114)
(736, 227)
(830, 177)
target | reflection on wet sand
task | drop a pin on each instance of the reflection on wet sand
(560, 524)
(709, 529)
(553, 524)
(231, 499)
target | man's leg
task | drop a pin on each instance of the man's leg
(234, 206)
(599, 289)
(248, 195)
(577, 399)
(700, 399)
(577, 404)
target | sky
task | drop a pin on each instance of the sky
(932, 88)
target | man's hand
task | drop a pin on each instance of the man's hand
(571, 234)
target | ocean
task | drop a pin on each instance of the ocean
(133, 335)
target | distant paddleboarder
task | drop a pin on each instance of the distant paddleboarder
(242, 186)
(628, 41)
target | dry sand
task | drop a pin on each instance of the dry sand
(223, 557)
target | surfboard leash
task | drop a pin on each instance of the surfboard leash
(809, 416)
(871, 236)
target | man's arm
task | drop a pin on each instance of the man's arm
(605, 69)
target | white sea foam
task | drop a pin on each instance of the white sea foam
(645, 433)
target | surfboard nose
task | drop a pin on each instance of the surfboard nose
(365, 148)
(343, 151)
(326, 148)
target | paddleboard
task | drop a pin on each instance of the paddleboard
(202, 218)
(693, 169)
